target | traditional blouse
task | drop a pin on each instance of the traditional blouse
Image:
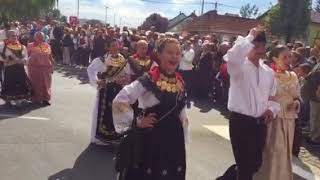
(123, 114)
(15, 51)
(40, 55)
(139, 65)
(99, 65)
(288, 90)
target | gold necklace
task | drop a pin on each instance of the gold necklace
(169, 84)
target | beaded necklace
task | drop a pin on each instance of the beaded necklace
(169, 84)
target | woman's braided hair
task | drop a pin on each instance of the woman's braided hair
(163, 42)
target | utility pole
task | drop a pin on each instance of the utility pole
(120, 22)
(106, 12)
(202, 7)
(57, 4)
(114, 20)
(107, 15)
(216, 6)
(78, 8)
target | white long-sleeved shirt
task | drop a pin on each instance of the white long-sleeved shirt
(97, 66)
(129, 95)
(187, 59)
(250, 87)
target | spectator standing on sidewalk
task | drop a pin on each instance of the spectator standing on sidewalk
(83, 49)
(186, 68)
(311, 91)
(67, 47)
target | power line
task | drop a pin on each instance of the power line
(182, 3)
(226, 5)
(190, 3)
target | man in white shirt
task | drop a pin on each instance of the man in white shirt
(252, 87)
(186, 68)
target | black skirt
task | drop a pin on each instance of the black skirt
(105, 127)
(163, 147)
(15, 84)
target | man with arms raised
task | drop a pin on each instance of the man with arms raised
(250, 101)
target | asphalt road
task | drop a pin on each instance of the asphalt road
(39, 143)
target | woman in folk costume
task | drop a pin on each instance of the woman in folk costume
(163, 121)
(40, 69)
(277, 153)
(108, 74)
(140, 62)
(15, 85)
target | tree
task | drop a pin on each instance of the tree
(290, 18)
(16, 9)
(160, 23)
(63, 19)
(317, 6)
(55, 13)
(248, 11)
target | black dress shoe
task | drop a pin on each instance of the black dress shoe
(46, 103)
(188, 104)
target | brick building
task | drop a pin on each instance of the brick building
(224, 26)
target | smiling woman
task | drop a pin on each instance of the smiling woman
(163, 123)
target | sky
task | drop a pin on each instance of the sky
(133, 12)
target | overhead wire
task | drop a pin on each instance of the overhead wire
(189, 3)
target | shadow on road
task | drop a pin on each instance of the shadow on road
(205, 105)
(7, 112)
(73, 72)
(94, 163)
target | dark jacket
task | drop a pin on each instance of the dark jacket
(99, 47)
(67, 41)
(58, 32)
(311, 86)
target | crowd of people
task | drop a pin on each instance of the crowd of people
(145, 81)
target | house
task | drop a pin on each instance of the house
(174, 21)
(176, 24)
(224, 26)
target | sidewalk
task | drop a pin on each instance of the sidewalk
(309, 161)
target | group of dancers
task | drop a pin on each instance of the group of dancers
(25, 72)
(153, 93)
(263, 103)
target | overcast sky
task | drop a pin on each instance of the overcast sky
(133, 12)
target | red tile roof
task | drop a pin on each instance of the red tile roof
(211, 22)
